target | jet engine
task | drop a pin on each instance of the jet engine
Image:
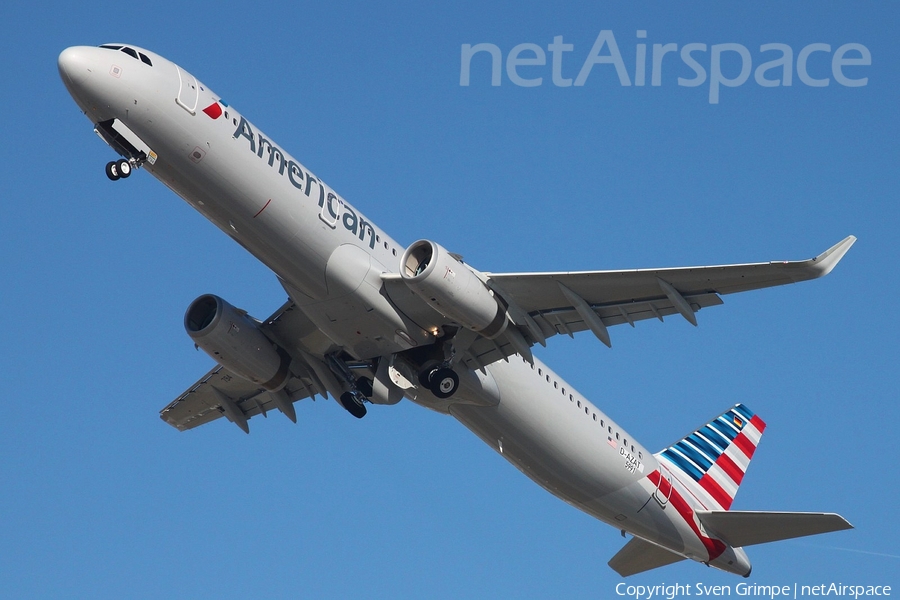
(234, 340)
(452, 288)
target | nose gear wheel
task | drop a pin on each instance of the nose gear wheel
(119, 169)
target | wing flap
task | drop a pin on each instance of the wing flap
(564, 320)
(639, 555)
(746, 528)
(200, 404)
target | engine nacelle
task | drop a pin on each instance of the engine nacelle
(452, 289)
(234, 340)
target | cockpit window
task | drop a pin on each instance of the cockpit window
(130, 52)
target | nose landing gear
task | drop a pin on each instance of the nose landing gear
(120, 169)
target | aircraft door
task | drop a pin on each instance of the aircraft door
(331, 210)
(663, 491)
(188, 92)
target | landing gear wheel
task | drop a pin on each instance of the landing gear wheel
(364, 385)
(425, 377)
(444, 382)
(427, 372)
(112, 171)
(354, 406)
(124, 168)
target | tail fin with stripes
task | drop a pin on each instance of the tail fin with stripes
(717, 455)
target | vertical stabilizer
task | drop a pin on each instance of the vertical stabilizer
(717, 455)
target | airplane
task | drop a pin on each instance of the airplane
(369, 322)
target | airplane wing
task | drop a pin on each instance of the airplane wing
(746, 528)
(638, 556)
(223, 393)
(540, 305)
(546, 304)
(204, 402)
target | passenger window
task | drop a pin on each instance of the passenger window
(579, 404)
(571, 398)
(595, 416)
(617, 435)
(555, 385)
(587, 411)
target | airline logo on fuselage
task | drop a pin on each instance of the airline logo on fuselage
(329, 202)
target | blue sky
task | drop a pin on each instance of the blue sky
(100, 498)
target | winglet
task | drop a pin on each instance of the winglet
(828, 259)
(825, 262)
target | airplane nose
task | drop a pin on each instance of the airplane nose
(74, 67)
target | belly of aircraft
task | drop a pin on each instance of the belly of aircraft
(559, 444)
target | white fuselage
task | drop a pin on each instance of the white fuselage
(330, 259)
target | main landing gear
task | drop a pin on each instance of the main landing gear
(441, 380)
(354, 400)
(438, 375)
(359, 390)
(120, 169)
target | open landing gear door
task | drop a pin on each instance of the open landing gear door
(124, 141)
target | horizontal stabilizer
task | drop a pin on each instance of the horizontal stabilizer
(746, 528)
(638, 556)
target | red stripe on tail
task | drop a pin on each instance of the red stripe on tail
(713, 547)
(745, 445)
(730, 468)
(758, 423)
(715, 490)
